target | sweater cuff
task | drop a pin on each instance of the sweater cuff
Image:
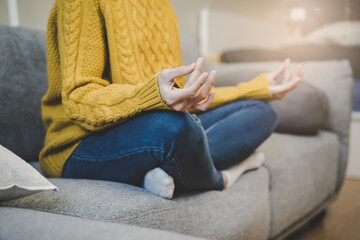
(258, 88)
(149, 95)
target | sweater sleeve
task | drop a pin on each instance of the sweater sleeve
(257, 88)
(90, 98)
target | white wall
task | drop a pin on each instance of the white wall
(353, 167)
(234, 23)
(32, 13)
(4, 18)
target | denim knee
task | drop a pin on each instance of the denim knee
(269, 113)
(188, 160)
(187, 131)
(181, 129)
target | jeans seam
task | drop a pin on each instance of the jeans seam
(178, 170)
(114, 156)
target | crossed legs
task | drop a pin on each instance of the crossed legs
(191, 149)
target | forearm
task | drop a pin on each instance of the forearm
(257, 88)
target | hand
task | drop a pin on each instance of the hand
(181, 99)
(289, 82)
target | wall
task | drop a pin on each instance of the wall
(32, 13)
(4, 18)
(236, 24)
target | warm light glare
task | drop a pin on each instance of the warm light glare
(298, 14)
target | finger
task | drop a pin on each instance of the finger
(204, 91)
(280, 96)
(204, 105)
(172, 73)
(298, 72)
(179, 106)
(286, 87)
(301, 73)
(196, 73)
(287, 71)
(189, 92)
(278, 72)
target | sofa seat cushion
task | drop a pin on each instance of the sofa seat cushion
(16, 223)
(240, 211)
(303, 172)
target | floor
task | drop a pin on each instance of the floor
(353, 167)
(356, 105)
(341, 220)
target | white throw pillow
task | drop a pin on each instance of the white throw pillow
(18, 178)
(346, 33)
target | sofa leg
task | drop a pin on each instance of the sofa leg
(317, 219)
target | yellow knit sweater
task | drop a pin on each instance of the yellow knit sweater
(103, 60)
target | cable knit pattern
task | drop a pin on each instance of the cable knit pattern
(104, 57)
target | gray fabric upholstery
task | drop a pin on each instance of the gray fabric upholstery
(241, 211)
(336, 80)
(303, 111)
(23, 81)
(302, 174)
(333, 77)
(19, 224)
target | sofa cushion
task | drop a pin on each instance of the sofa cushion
(303, 111)
(18, 223)
(18, 178)
(302, 175)
(242, 210)
(23, 81)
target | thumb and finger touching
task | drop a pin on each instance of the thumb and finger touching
(196, 89)
(278, 72)
(191, 90)
(205, 90)
(204, 105)
(289, 82)
(196, 73)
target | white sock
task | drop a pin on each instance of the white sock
(159, 183)
(255, 160)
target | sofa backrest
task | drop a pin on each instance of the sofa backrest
(23, 82)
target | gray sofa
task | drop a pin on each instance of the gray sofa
(301, 177)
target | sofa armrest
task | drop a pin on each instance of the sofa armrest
(334, 77)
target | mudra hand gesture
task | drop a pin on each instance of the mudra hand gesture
(190, 96)
(289, 82)
(198, 87)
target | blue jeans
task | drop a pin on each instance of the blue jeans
(191, 148)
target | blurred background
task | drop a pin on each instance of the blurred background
(233, 30)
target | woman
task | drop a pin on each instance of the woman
(117, 107)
